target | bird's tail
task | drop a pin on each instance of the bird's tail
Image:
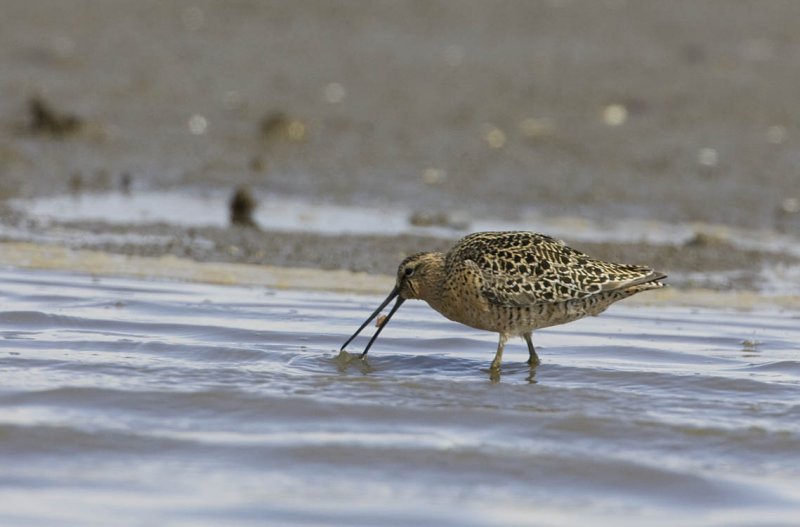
(645, 283)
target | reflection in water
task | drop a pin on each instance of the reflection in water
(496, 375)
(532, 375)
(204, 405)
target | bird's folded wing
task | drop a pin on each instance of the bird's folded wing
(521, 269)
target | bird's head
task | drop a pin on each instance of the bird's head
(418, 275)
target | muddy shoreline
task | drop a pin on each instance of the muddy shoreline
(702, 262)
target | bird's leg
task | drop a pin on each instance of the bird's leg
(533, 358)
(498, 357)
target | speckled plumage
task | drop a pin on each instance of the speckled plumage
(513, 283)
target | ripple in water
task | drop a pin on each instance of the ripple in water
(128, 402)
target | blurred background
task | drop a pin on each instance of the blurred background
(355, 133)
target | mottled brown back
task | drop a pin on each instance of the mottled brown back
(524, 268)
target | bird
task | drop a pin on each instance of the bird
(512, 283)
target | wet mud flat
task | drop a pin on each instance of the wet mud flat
(595, 110)
(131, 401)
(675, 111)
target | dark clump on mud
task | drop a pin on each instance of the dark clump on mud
(426, 218)
(242, 205)
(45, 119)
(272, 124)
(278, 125)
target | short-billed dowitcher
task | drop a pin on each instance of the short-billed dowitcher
(512, 283)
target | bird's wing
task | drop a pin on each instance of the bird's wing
(524, 268)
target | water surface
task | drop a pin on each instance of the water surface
(126, 402)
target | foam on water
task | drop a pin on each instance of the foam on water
(130, 402)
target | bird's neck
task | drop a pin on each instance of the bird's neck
(430, 289)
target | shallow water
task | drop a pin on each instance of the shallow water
(126, 402)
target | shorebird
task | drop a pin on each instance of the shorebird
(512, 283)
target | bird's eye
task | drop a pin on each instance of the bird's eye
(409, 271)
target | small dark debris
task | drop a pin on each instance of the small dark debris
(278, 126)
(242, 205)
(273, 124)
(46, 120)
(125, 182)
(703, 239)
(422, 218)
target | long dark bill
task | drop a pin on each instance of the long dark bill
(374, 314)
